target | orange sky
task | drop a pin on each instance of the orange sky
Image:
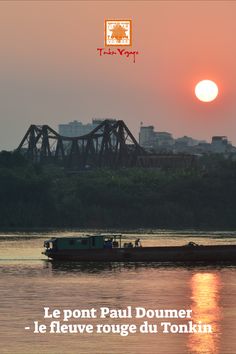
(51, 72)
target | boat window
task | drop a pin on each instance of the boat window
(93, 241)
(84, 241)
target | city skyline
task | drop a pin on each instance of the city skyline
(78, 128)
(88, 125)
(155, 141)
(51, 72)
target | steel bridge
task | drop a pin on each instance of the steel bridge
(110, 144)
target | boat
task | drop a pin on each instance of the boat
(100, 248)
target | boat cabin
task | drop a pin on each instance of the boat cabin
(83, 243)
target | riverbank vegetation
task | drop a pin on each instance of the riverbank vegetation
(47, 196)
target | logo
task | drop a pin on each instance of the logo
(118, 32)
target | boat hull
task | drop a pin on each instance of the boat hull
(209, 254)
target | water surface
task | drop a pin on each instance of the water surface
(29, 282)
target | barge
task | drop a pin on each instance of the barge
(110, 249)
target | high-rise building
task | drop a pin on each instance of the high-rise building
(146, 136)
(150, 139)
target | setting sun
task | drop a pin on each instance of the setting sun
(206, 90)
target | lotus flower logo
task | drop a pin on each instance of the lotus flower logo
(118, 32)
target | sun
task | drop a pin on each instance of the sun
(206, 90)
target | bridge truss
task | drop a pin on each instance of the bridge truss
(110, 144)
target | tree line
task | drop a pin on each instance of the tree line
(33, 196)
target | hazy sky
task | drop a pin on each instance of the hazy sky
(51, 72)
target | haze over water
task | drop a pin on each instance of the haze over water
(29, 282)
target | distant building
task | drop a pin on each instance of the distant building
(150, 139)
(163, 140)
(77, 128)
(219, 144)
(202, 149)
(186, 141)
(146, 136)
(155, 141)
(188, 145)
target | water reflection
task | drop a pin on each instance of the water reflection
(82, 267)
(205, 288)
(99, 267)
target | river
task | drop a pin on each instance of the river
(29, 282)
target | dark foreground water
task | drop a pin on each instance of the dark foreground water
(29, 282)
